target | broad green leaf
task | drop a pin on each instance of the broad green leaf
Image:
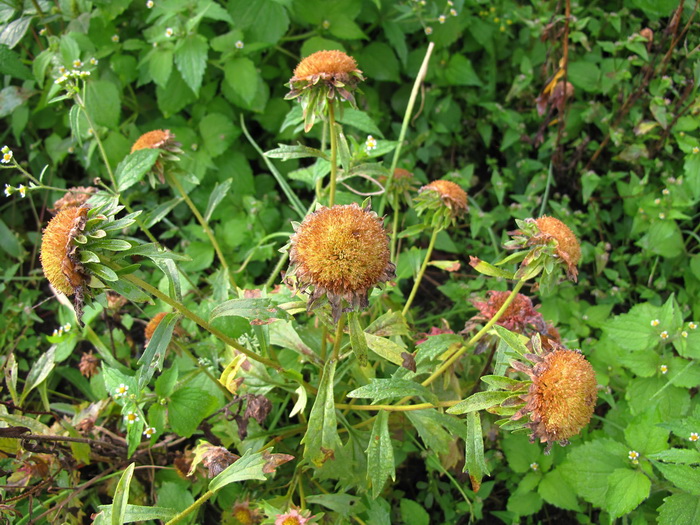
(165, 384)
(358, 342)
(389, 324)
(360, 120)
(10, 64)
(679, 508)
(386, 348)
(644, 436)
(191, 60)
(102, 272)
(321, 438)
(154, 354)
(663, 238)
(413, 513)
(479, 401)
(524, 501)
(684, 477)
(430, 427)
(39, 372)
(460, 72)
(242, 76)
(344, 504)
(286, 152)
(187, 408)
(678, 455)
(134, 167)
(103, 103)
(627, 488)
(9, 241)
(379, 389)
(378, 62)
(380, 454)
(134, 513)
(248, 466)
(556, 491)
(263, 20)
(218, 133)
(12, 33)
(121, 496)
(160, 65)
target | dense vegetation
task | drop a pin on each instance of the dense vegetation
(285, 309)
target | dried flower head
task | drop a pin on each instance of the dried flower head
(242, 514)
(442, 197)
(152, 325)
(568, 248)
(518, 315)
(59, 257)
(88, 364)
(343, 252)
(562, 396)
(161, 139)
(74, 197)
(322, 78)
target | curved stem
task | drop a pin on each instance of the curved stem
(419, 277)
(196, 319)
(189, 510)
(334, 153)
(458, 353)
(398, 408)
(173, 180)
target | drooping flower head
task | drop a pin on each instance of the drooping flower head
(342, 252)
(74, 197)
(443, 197)
(161, 139)
(402, 184)
(562, 396)
(152, 325)
(321, 79)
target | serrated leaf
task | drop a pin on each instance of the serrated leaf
(134, 167)
(191, 60)
(678, 455)
(379, 389)
(555, 490)
(242, 76)
(258, 311)
(684, 477)
(321, 438)
(187, 408)
(380, 454)
(474, 461)
(627, 489)
(134, 513)
(248, 466)
(679, 508)
(516, 342)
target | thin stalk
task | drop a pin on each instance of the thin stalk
(458, 353)
(276, 271)
(204, 369)
(394, 233)
(173, 180)
(100, 146)
(189, 510)
(398, 408)
(419, 277)
(406, 119)
(196, 319)
(338, 337)
(545, 197)
(334, 154)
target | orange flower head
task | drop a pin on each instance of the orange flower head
(519, 314)
(74, 198)
(343, 252)
(562, 396)
(156, 139)
(152, 325)
(332, 64)
(568, 248)
(59, 257)
(443, 193)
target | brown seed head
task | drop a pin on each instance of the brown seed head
(158, 138)
(88, 364)
(343, 252)
(451, 194)
(562, 396)
(59, 258)
(568, 247)
(326, 64)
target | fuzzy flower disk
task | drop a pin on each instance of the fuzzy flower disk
(342, 251)
(58, 253)
(568, 247)
(451, 195)
(562, 396)
(325, 64)
(158, 138)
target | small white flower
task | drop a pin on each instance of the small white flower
(169, 32)
(6, 155)
(94, 61)
(131, 417)
(657, 201)
(370, 143)
(71, 149)
(77, 63)
(694, 436)
(42, 31)
(696, 150)
(149, 432)
(194, 146)
(428, 30)
(665, 191)
(155, 44)
(66, 327)
(121, 390)
(663, 369)
(663, 335)
(90, 131)
(633, 455)
(22, 190)
(442, 19)
(326, 24)
(55, 333)
(655, 322)
(662, 216)
(239, 44)
(534, 466)
(692, 325)
(150, 4)
(8, 190)
(115, 38)
(684, 334)
(453, 12)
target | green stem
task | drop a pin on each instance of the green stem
(195, 361)
(419, 277)
(338, 337)
(394, 233)
(458, 353)
(334, 153)
(100, 146)
(189, 510)
(404, 125)
(172, 179)
(196, 319)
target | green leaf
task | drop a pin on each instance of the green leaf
(678, 455)
(154, 354)
(378, 62)
(134, 513)
(502, 382)
(9, 241)
(165, 384)
(380, 454)
(488, 269)
(187, 408)
(191, 60)
(286, 152)
(102, 272)
(480, 401)
(644, 436)
(515, 341)
(386, 348)
(555, 490)
(242, 76)
(684, 477)
(460, 72)
(626, 490)
(121, 495)
(360, 120)
(430, 426)
(114, 245)
(257, 311)
(389, 324)
(663, 238)
(160, 66)
(358, 342)
(248, 466)
(134, 167)
(10, 64)
(103, 103)
(130, 291)
(413, 513)
(263, 20)
(379, 389)
(679, 508)
(321, 438)
(217, 195)
(12, 33)
(218, 133)
(39, 372)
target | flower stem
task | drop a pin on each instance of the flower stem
(173, 180)
(394, 233)
(338, 337)
(98, 141)
(458, 353)
(189, 510)
(398, 408)
(419, 277)
(196, 319)
(334, 153)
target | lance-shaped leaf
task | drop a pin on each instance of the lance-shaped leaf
(488, 269)
(257, 311)
(287, 152)
(321, 438)
(380, 454)
(152, 358)
(249, 466)
(474, 462)
(379, 389)
(479, 401)
(121, 496)
(134, 167)
(357, 339)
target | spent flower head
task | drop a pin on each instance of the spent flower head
(444, 198)
(162, 139)
(74, 197)
(88, 364)
(321, 79)
(342, 252)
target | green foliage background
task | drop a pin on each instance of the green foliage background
(618, 162)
